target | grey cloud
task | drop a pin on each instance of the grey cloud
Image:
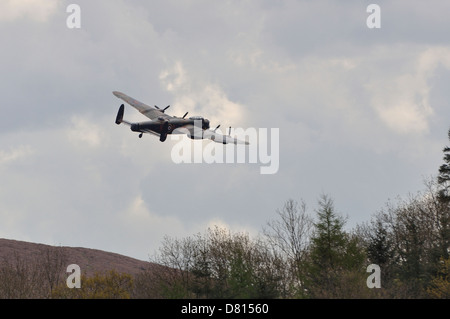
(311, 69)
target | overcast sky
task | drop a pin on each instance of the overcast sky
(362, 113)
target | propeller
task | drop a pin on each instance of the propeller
(185, 115)
(229, 130)
(163, 108)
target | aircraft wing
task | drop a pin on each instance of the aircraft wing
(150, 112)
(224, 139)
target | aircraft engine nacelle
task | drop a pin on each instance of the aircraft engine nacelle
(135, 127)
(196, 121)
(145, 126)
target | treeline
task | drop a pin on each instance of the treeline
(42, 274)
(298, 254)
(302, 256)
(33, 276)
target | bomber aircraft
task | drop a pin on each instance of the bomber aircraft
(161, 124)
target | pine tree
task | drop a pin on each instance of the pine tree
(336, 259)
(379, 249)
(444, 199)
(328, 242)
(444, 174)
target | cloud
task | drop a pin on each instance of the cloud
(18, 153)
(85, 132)
(198, 95)
(356, 112)
(144, 228)
(401, 95)
(35, 10)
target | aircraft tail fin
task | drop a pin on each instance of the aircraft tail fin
(119, 117)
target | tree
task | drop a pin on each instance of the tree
(408, 239)
(218, 264)
(32, 275)
(440, 285)
(444, 174)
(444, 202)
(336, 260)
(178, 257)
(111, 285)
(329, 240)
(289, 237)
(239, 266)
(52, 265)
(379, 248)
(20, 278)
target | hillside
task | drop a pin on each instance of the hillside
(89, 260)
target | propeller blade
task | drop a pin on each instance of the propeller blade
(185, 115)
(157, 107)
(229, 131)
(165, 108)
(216, 127)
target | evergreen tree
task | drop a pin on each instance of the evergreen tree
(336, 259)
(444, 174)
(444, 199)
(328, 242)
(379, 249)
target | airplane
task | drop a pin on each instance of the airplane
(162, 124)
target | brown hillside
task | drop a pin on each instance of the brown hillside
(89, 260)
